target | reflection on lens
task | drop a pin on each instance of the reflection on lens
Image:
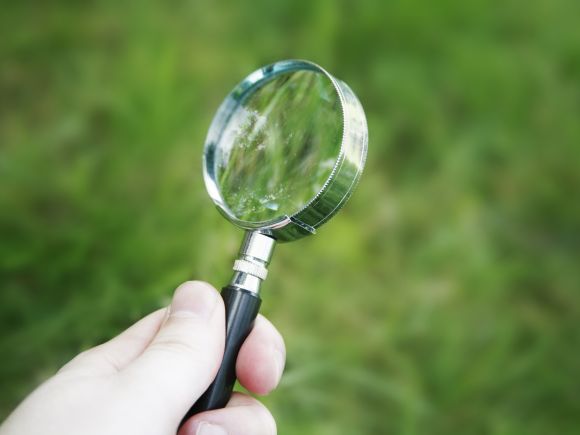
(279, 146)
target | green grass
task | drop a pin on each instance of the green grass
(443, 299)
(272, 169)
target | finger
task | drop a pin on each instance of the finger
(116, 353)
(184, 356)
(242, 415)
(262, 358)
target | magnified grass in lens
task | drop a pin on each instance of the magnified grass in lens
(279, 146)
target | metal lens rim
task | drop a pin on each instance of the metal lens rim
(339, 184)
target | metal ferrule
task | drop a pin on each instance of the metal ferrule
(251, 266)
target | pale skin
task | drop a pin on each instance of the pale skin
(144, 380)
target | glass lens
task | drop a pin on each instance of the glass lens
(279, 146)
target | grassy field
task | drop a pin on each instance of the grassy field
(444, 299)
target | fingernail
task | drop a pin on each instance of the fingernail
(279, 362)
(194, 298)
(205, 428)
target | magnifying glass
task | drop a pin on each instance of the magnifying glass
(283, 154)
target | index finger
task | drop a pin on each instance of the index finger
(262, 358)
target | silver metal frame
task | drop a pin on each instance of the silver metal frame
(251, 266)
(340, 183)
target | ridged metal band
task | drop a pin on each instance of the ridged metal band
(251, 269)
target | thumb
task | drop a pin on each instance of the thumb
(184, 356)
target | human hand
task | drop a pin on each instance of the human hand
(144, 380)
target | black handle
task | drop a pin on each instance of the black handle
(241, 310)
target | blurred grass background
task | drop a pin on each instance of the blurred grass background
(443, 299)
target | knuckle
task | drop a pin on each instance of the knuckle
(176, 345)
(184, 335)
